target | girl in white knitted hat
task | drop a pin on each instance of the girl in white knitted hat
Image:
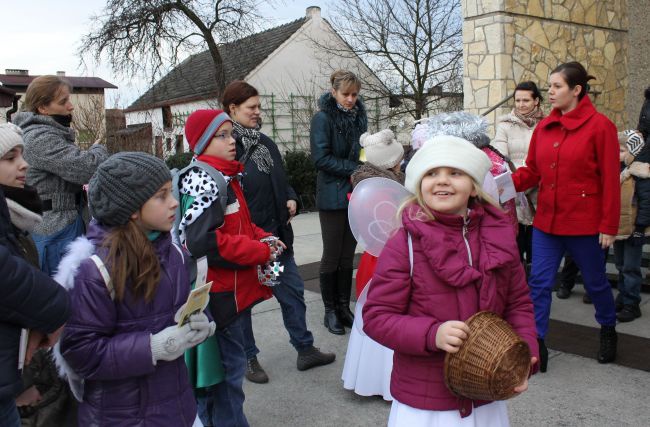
(454, 256)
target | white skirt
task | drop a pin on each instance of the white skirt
(368, 364)
(493, 414)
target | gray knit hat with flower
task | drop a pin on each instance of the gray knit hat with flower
(122, 184)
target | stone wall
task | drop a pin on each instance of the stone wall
(508, 41)
(639, 58)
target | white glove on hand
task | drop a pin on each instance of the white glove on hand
(199, 322)
(170, 343)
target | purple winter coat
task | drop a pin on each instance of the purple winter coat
(404, 313)
(108, 344)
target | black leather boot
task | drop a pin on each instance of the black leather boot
(343, 289)
(328, 292)
(608, 341)
(543, 355)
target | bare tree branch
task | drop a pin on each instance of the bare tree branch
(413, 46)
(149, 37)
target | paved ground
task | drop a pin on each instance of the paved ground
(576, 391)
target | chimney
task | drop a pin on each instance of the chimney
(313, 12)
(60, 73)
(16, 72)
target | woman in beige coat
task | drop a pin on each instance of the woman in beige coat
(513, 133)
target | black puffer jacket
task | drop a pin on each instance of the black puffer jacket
(28, 299)
(334, 140)
(267, 195)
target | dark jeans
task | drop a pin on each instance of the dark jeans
(222, 405)
(628, 263)
(8, 413)
(338, 242)
(590, 258)
(290, 293)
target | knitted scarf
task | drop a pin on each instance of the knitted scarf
(250, 139)
(530, 119)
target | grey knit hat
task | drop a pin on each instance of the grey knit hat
(10, 136)
(122, 184)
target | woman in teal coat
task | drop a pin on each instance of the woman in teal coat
(334, 137)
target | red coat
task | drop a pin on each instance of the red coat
(404, 313)
(574, 159)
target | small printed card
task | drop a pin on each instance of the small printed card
(197, 301)
(506, 186)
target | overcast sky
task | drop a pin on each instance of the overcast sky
(42, 36)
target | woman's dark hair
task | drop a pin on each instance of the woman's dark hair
(575, 74)
(531, 87)
(237, 92)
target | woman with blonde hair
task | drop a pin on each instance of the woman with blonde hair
(334, 137)
(58, 167)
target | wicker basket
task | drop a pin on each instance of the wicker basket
(491, 362)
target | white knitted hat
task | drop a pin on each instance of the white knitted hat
(382, 149)
(447, 151)
(10, 137)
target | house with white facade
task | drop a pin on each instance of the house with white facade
(284, 64)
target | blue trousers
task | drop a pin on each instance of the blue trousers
(290, 293)
(9, 413)
(628, 263)
(548, 250)
(52, 247)
(222, 405)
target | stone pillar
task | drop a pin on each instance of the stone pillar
(509, 41)
(639, 58)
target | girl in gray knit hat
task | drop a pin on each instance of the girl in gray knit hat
(128, 285)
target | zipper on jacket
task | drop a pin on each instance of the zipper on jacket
(469, 251)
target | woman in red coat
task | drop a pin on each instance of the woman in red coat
(573, 159)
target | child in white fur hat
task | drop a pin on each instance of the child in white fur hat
(368, 364)
(462, 259)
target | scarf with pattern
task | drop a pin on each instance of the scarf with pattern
(250, 139)
(530, 119)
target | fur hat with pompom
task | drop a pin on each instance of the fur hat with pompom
(382, 149)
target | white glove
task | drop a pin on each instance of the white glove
(199, 322)
(170, 343)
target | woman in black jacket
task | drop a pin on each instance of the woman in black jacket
(28, 299)
(334, 137)
(272, 203)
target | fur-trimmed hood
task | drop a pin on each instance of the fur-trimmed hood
(342, 120)
(638, 169)
(79, 250)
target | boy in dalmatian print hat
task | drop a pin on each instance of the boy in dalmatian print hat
(231, 243)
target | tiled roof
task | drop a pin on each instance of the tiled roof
(194, 78)
(20, 82)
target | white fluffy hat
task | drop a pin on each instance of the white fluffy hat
(10, 137)
(382, 149)
(447, 151)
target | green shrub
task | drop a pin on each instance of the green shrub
(301, 174)
(179, 160)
